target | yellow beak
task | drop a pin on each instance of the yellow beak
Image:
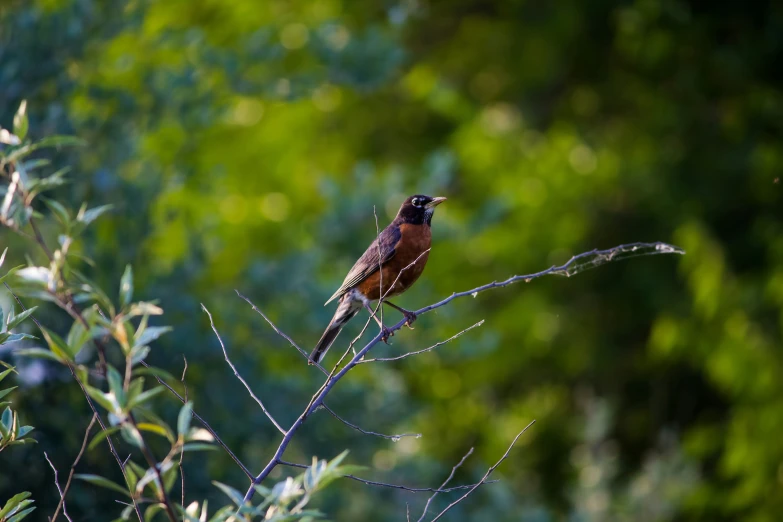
(435, 202)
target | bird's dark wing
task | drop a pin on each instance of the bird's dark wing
(382, 248)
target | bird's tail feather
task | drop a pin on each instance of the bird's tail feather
(345, 312)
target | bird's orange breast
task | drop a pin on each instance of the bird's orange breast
(402, 270)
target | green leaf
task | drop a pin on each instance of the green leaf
(145, 396)
(198, 446)
(154, 428)
(156, 372)
(22, 514)
(5, 392)
(169, 478)
(19, 337)
(38, 353)
(24, 430)
(7, 372)
(7, 418)
(22, 441)
(126, 286)
(57, 345)
(102, 435)
(88, 216)
(131, 435)
(235, 496)
(138, 354)
(102, 482)
(144, 308)
(151, 333)
(58, 210)
(152, 510)
(10, 272)
(21, 122)
(115, 385)
(13, 503)
(183, 419)
(136, 387)
(13, 323)
(101, 398)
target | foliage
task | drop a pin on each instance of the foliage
(97, 318)
(245, 144)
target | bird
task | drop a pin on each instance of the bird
(389, 266)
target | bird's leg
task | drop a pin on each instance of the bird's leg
(385, 332)
(409, 316)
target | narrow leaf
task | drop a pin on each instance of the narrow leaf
(183, 420)
(235, 496)
(12, 323)
(102, 482)
(20, 121)
(126, 286)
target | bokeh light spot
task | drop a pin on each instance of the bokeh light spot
(294, 36)
(246, 112)
(327, 98)
(384, 460)
(583, 159)
(274, 206)
(233, 208)
(336, 37)
(500, 119)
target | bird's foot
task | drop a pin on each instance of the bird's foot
(409, 318)
(386, 333)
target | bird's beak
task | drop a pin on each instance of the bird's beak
(435, 202)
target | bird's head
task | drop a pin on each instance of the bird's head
(418, 209)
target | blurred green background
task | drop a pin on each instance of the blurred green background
(245, 144)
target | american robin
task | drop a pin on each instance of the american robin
(389, 266)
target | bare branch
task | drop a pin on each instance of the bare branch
(281, 333)
(112, 449)
(379, 306)
(61, 504)
(392, 486)
(236, 373)
(486, 475)
(417, 352)
(153, 464)
(395, 438)
(182, 379)
(445, 483)
(59, 490)
(205, 424)
(575, 265)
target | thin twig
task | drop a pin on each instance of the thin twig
(392, 486)
(282, 334)
(236, 373)
(417, 352)
(59, 490)
(61, 504)
(112, 449)
(182, 379)
(395, 438)
(445, 483)
(153, 464)
(380, 267)
(573, 266)
(486, 475)
(205, 424)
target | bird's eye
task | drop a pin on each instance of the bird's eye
(416, 202)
